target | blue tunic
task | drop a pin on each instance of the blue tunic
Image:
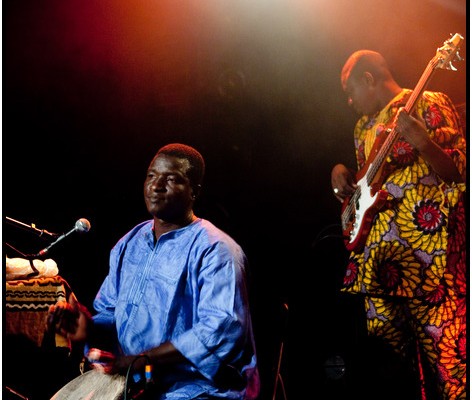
(188, 288)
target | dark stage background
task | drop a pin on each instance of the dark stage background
(91, 89)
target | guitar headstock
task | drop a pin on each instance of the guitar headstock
(449, 53)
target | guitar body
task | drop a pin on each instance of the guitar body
(363, 207)
(360, 209)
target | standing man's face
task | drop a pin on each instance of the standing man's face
(361, 96)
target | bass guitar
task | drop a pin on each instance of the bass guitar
(359, 210)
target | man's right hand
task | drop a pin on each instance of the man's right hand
(343, 181)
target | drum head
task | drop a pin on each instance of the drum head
(93, 385)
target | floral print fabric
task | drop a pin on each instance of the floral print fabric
(416, 247)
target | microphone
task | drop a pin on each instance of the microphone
(82, 226)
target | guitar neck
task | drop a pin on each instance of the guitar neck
(421, 85)
(393, 134)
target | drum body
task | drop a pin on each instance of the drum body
(93, 385)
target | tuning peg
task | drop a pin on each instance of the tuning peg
(451, 67)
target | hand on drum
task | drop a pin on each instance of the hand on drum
(69, 319)
(108, 363)
(102, 361)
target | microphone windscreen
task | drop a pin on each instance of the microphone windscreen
(82, 225)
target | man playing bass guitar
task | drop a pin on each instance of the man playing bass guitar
(408, 246)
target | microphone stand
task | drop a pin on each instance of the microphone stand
(30, 228)
(20, 396)
(278, 376)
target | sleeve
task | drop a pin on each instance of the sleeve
(219, 335)
(104, 334)
(443, 123)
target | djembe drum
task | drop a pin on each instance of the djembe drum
(93, 385)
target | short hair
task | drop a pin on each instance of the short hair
(365, 61)
(196, 171)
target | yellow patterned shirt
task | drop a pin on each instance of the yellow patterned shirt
(416, 246)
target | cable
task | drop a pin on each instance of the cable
(18, 251)
(148, 369)
(319, 238)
